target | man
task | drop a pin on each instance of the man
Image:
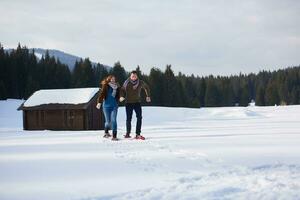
(131, 93)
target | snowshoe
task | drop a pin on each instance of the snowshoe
(139, 137)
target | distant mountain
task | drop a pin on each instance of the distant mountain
(63, 57)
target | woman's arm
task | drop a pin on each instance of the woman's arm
(102, 94)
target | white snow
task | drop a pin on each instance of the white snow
(207, 153)
(61, 96)
(38, 55)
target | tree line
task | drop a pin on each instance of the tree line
(22, 74)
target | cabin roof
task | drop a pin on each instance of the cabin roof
(60, 98)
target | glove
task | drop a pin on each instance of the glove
(148, 99)
(98, 106)
(121, 99)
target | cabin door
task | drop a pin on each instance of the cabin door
(73, 119)
(69, 117)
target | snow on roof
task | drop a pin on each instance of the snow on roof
(61, 96)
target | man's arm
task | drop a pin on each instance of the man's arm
(122, 93)
(146, 88)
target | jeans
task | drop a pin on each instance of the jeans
(138, 112)
(110, 114)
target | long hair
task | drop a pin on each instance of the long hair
(106, 80)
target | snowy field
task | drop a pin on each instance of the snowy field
(209, 153)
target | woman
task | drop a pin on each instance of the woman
(109, 96)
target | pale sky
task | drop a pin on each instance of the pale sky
(203, 37)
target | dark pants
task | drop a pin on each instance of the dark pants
(138, 112)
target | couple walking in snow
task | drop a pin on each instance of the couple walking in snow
(111, 93)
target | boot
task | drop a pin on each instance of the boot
(107, 135)
(127, 135)
(114, 135)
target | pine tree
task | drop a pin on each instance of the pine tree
(202, 91)
(139, 72)
(271, 95)
(260, 96)
(21, 74)
(3, 93)
(212, 94)
(228, 97)
(119, 72)
(155, 80)
(83, 74)
(100, 72)
(170, 88)
(3, 73)
(295, 95)
(244, 94)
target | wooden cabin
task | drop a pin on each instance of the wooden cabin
(62, 109)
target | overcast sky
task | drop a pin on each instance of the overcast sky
(195, 36)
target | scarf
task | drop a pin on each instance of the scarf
(134, 83)
(114, 86)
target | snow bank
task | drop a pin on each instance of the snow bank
(61, 96)
(207, 153)
(10, 118)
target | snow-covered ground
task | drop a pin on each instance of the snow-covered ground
(207, 153)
